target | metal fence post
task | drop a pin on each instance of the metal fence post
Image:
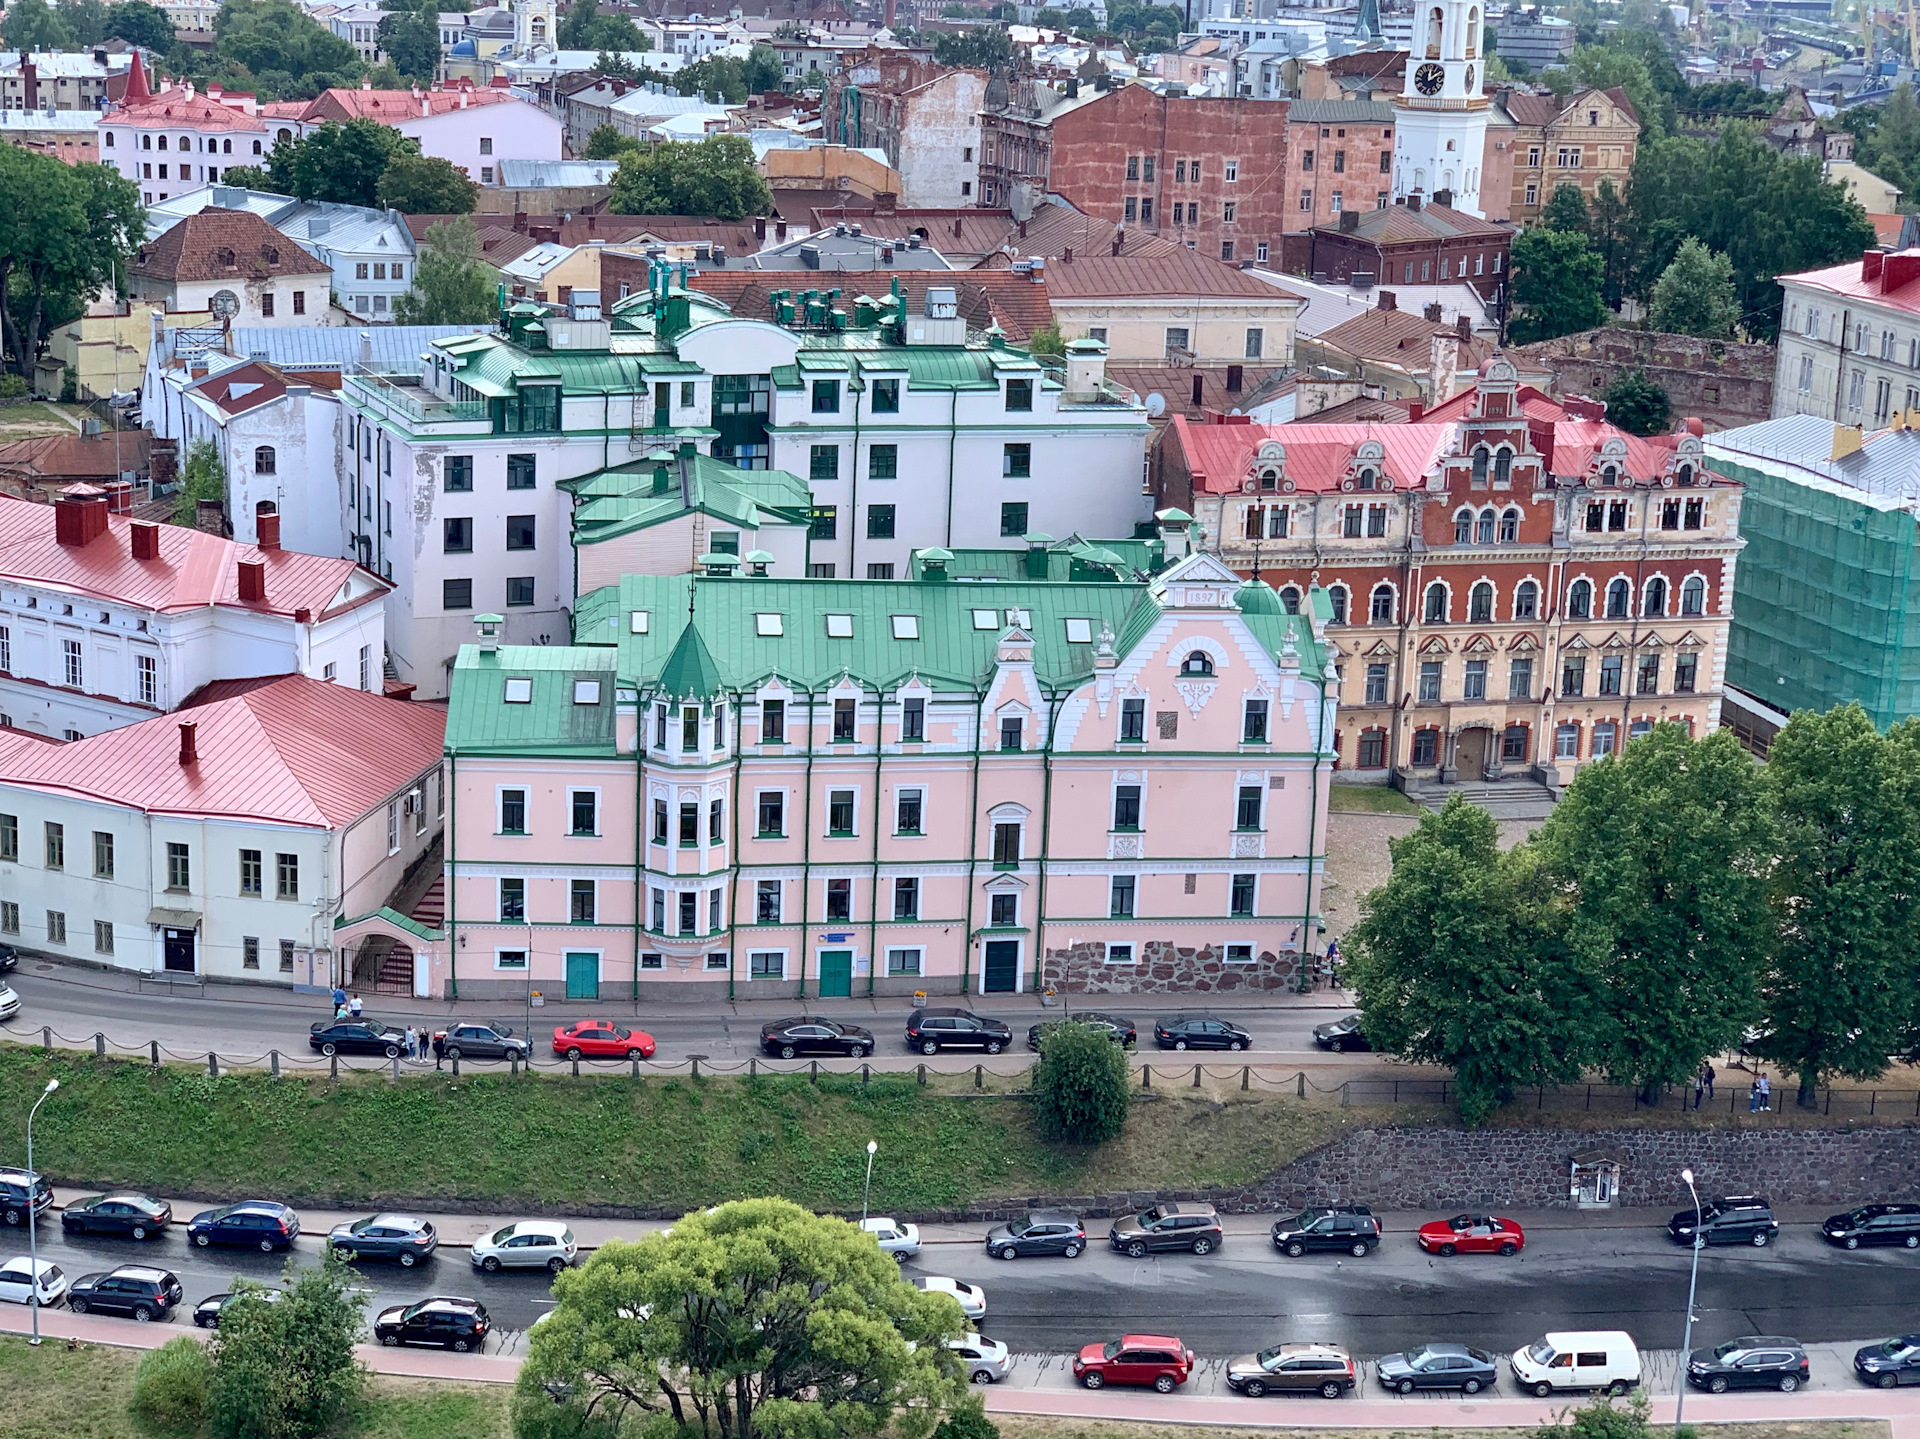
(866, 1075)
(333, 1061)
(979, 1076)
(513, 1064)
(1300, 1085)
(46, 1039)
(923, 1075)
(1246, 1077)
(1146, 1076)
(694, 1060)
(213, 1065)
(636, 1066)
(153, 1050)
(1343, 1092)
(456, 1065)
(273, 1058)
(576, 1068)
(1196, 1076)
(393, 1077)
(99, 1045)
(753, 1066)
(813, 1071)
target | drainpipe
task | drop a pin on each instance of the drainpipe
(453, 887)
(973, 839)
(733, 850)
(806, 848)
(953, 431)
(1320, 745)
(853, 501)
(1046, 814)
(641, 712)
(1629, 681)
(873, 921)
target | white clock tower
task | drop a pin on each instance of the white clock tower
(1440, 123)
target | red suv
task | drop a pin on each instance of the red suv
(1152, 1359)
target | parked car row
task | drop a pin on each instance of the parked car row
(931, 1030)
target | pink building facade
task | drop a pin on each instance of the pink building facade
(804, 788)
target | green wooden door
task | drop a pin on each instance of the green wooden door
(1001, 973)
(836, 973)
(583, 975)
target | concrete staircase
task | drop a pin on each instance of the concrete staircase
(1519, 798)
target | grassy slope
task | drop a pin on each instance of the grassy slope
(663, 1144)
(1369, 799)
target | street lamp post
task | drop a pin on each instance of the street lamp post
(33, 1234)
(1693, 1281)
(873, 1148)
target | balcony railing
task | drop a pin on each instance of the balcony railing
(403, 394)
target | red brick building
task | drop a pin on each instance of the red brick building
(1197, 171)
(1339, 158)
(1410, 244)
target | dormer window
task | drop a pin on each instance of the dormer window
(1269, 479)
(1685, 475)
(223, 256)
(1610, 475)
(1368, 479)
(1197, 663)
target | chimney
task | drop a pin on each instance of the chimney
(1119, 239)
(1846, 441)
(253, 581)
(146, 540)
(426, 108)
(779, 232)
(29, 81)
(1349, 221)
(1415, 411)
(1066, 255)
(211, 516)
(268, 529)
(1463, 327)
(1389, 300)
(189, 749)
(78, 520)
(1413, 202)
(760, 229)
(1870, 264)
(520, 222)
(1432, 313)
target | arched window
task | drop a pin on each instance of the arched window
(1367, 479)
(1526, 600)
(1656, 603)
(1509, 527)
(256, 143)
(1463, 528)
(1685, 474)
(226, 147)
(223, 256)
(186, 143)
(1338, 595)
(1473, 32)
(264, 461)
(1290, 597)
(1269, 479)
(1197, 663)
(109, 139)
(1617, 595)
(1480, 604)
(163, 143)
(1609, 475)
(1693, 597)
(1502, 465)
(1434, 21)
(1436, 612)
(1382, 610)
(1580, 600)
(1480, 465)
(1483, 532)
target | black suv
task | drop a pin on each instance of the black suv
(15, 1186)
(1199, 1031)
(1734, 1219)
(457, 1324)
(1757, 1361)
(932, 1030)
(1118, 1028)
(133, 1289)
(1044, 1231)
(1351, 1227)
(1875, 1224)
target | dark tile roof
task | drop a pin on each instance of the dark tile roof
(222, 245)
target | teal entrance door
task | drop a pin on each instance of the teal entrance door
(583, 976)
(1000, 974)
(836, 973)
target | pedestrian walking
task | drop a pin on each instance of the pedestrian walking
(409, 1042)
(1766, 1093)
(339, 998)
(354, 1006)
(1706, 1073)
(1753, 1097)
(340, 1010)
(1699, 1088)
(439, 1049)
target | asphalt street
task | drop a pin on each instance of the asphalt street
(1245, 1295)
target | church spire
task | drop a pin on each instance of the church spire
(136, 90)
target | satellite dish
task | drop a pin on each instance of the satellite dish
(1156, 405)
(224, 305)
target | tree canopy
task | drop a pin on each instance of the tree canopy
(138, 23)
(1566, 209)
(1556, 285)
(343, 163)
(277, 49)
(983, 47)
(452, 284)
(411, 41)
(1694, 294)
(287, 1370)
(66, 231)
(1637, 404)
(583, 27)
(714, 176)
(424, 185)
(34, 25)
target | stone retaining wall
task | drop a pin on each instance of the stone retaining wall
(1165, 967)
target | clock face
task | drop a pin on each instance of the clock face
(1429, 79)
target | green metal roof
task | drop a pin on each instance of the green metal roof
(480, 718)
(690, 671)
(1071, 559)
(622, 499)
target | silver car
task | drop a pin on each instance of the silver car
(987, 1360)
(529, 1244)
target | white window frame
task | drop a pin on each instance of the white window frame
(779, 978)
(1253, 951)
(919, 953)
(525, 966)
(1131, 956)
(598, 816)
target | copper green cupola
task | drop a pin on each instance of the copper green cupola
(690, 672)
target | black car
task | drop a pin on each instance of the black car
(1341, 1035)
(810, 1034)
(1757, 1361)
(1043, 1231)
(1199, 1031)
(1734, 1219)
(253, 1222)
(1349, 1227)
(402, 1237)
(137, 1216)
(1875, 1224)
(207, 1312)
(9, 959)
(1119, 1029)
(478, 1041)
(1890, 1362)
(932, 1030)
(1438, 1366)
(15, 1187)
(133, 1289)
(457, 1324)
(355, 1036)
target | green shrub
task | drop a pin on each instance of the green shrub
(69, 385)
(1080, 1083)
(968, 1419)
(170, 1387)
(13, 387)
(1601, 1418)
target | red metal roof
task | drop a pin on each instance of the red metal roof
(1218, 456)
(195, 569)
(294, 751)
(177, 108)
(1879, 277)
(392, 105)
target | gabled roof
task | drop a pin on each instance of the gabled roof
(690, 671)
(292, 751)
(178, 108)
(1401, 224)
(244, 387)
(389, 106)
(1181, 275)
(1399, 337)
(232, 245)
(96, 457)
(617, 501)
(1318, 455)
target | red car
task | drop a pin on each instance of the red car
(1154, 1359)
(601, 1039)
(1472, 1234)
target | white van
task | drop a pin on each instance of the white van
(1587, 1359)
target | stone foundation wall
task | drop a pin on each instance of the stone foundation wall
(1165, 967)
(1722, 381)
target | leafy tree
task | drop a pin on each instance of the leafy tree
(1890, 144)
(754, 1319)
(1732, 97)
(1462, 958)
(1607, 233)
(338, 162)
(170, 1387)
(138, 23)
(1694, 294)
(87, 19)
(967, 1420)
(287, 1370)
(1637, 405)
(249, 177)
(1845, 891)
(1566, 209)
(33, 25)
(714, 176)
(452, 284)
(411, 40)
(720, 78)
(618, 67)
(1601, 1418)
(1556, 285)
(202, 477)
(583, 27)
(981, 48)
(1605, 67)
(283, 49)
(1079, 17)
(1080, 1084)
(605, 143)
(66, 231)
(1660, 849)
(424, 185)
(1047, 341)
(763, 69)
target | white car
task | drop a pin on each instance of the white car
(971, 1298)
(16, 1286)
(529, 1244)
(902, 1241)
(987, 1360)
(9, 1001)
